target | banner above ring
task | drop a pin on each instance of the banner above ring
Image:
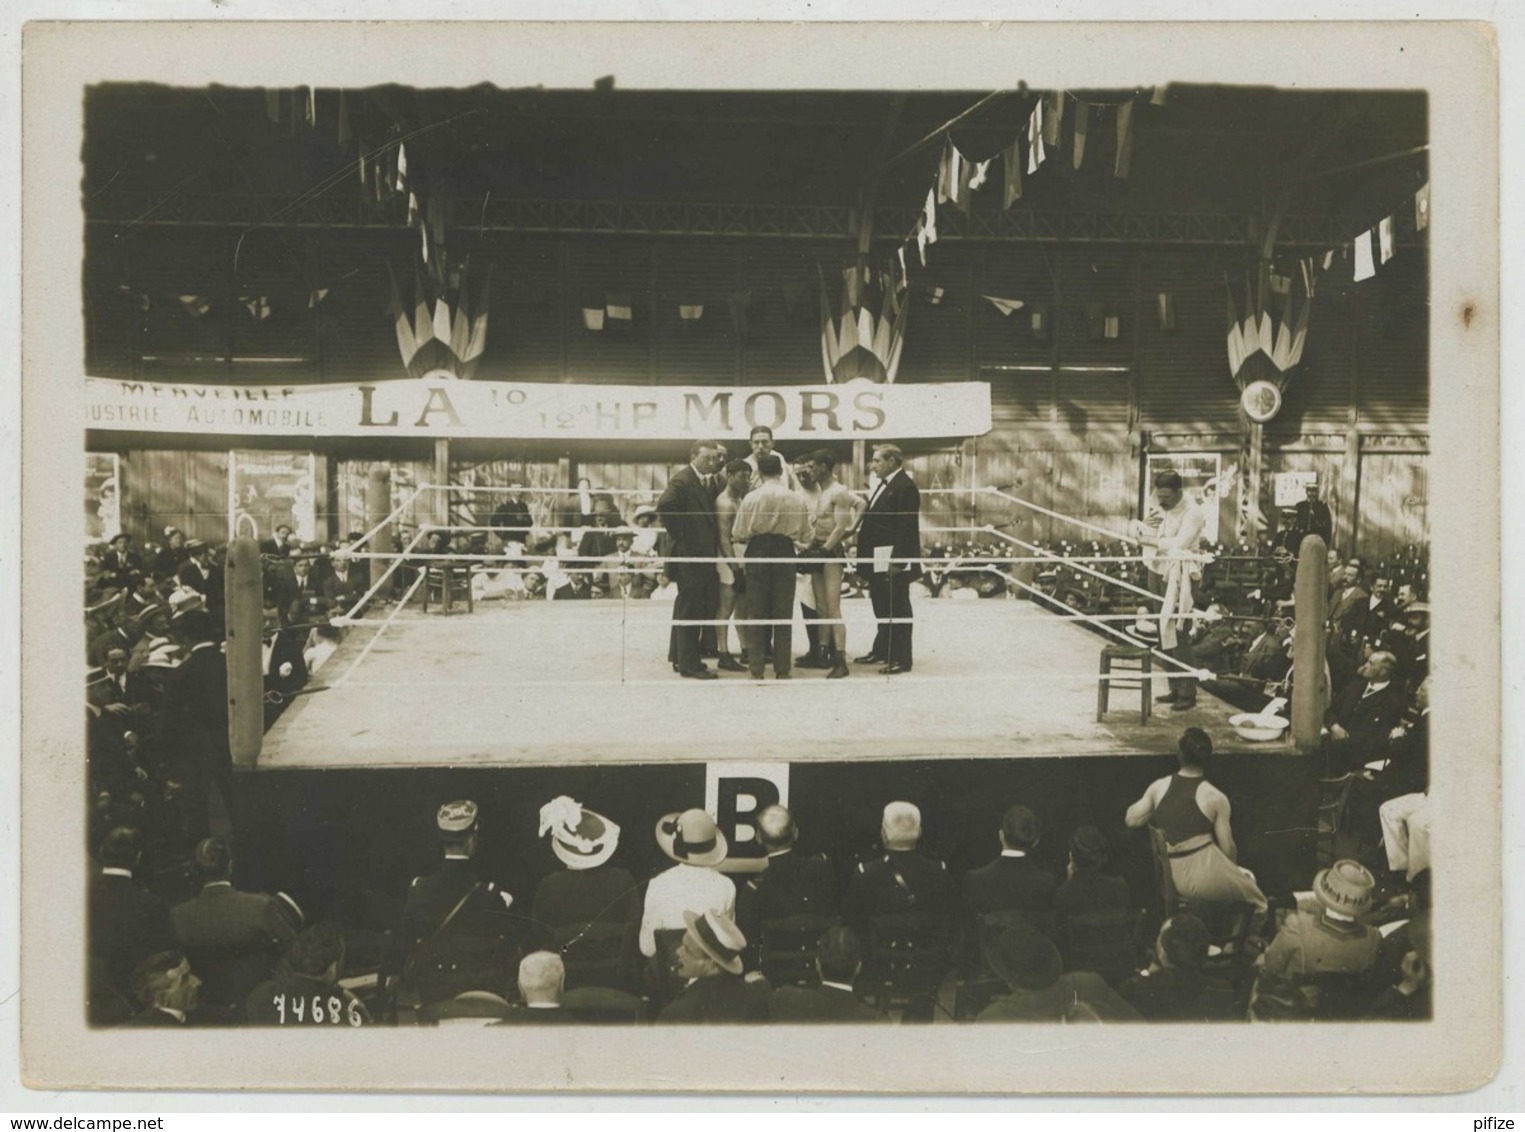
(446, 407)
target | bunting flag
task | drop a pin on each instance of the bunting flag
(865, 341)
(1082, 121)
(1124, 140)
(690, 313)
(1053, 118)
(1157, 96)
(1422, 208)
(921, 242)
(258, 306)
(980, 175)
(1263, 344)
(476, 345)
(1235, 338)
(1328, 259)
(953, 177)
(621, 312)
(423, 320)
(360, 162)
(929, 220)
(1385, 238)
(459, 336)
(1005, 306)
(412, 209)
(1011, 161)
(1165, 307)
(1364, 266)
(905, 278)
(402, 167)
(407, 341)
(1035, 151)
(315, 297)
(1309, 273)
(195, 305)
(593, 318)
(312, 106)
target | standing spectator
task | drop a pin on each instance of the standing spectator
(1311, 517)
(232, 938)
(687, 508)
(200, 574)
(126, 924)
(772, 521)
(891, 526)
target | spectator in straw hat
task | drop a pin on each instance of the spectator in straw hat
(589, 910)
(694, 843)
(709, 959)
(1324, 934)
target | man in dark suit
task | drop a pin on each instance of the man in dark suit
(1311, 517)
(792, 885)
(126, 925)
(1009, 886)
(838, 959)
(1407, 770)
(1265, 662)
(199, 573)
(196, 721)
(233, 939)
(687, 508)
(457, 933)
(709, 958)
(1363, 714)
(893, 521)
(119, 565)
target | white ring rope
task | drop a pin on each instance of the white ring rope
(385, 625)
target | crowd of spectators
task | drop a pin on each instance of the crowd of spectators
(896, 936)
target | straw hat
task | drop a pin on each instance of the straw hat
(1345, 887)
(692, 838)
(718, 937)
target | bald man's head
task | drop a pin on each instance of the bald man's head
(542, 975)
(775, 827)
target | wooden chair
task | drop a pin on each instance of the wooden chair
(445, 582)
(908, 957)
(1126, 658)
(1333, 800)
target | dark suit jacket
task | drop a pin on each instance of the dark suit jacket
(430, 900)
(1368, 719)
(819, 1004)
(687, 508)
(1267, 659)
(1345, 610)
(1408, 767)
(893, 519)
(1096, 922)
(720, 998)
(1174, 995)
(1007, 884)
(196, 710)
(791, 885)
(233, 940)
(1312, 518)
(126, 926)
(873, 890)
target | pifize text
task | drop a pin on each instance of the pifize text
(807, 410)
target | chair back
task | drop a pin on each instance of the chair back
(787, 948)
(606, 1005)
(908, 957)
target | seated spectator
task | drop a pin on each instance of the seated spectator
(1194, 817)
(792, 884)
(1095, 916)
(1405, 822)
(1363, 715)
(1011, 886)
(307, 992)
(166, 989)
(901, 880)
(588, 912)
(542, 980)
(278, 542)
(1264, 665)
(709, 964)
(511, 520)
(234, 939)
(1323, 935)
(119, 565)
(838, 959)
(125, 925)
(1405, 770)
(624, 573)
(171, 555)
(1173, 987)
(1039, 990)
(1406, 997)
(695, 844)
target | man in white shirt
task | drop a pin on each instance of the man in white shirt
(1169, 573)
(696, 846)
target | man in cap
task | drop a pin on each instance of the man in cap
(792, 884)
(695, 844)
(590, 910)
(1311, 517)
(838, 960)
(1195, 819)
(166, 988)
(233, 939)
(1173, 987)
(1011, 886)
(457, 933)
(709, 962)
(1038, 987)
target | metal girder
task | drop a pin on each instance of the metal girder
(683, 218)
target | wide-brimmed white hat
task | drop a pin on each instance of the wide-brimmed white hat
(580, 838)
(692, 838)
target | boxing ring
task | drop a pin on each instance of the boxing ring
(533, 682)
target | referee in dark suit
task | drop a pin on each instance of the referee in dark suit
(687, 508)
(893, 520)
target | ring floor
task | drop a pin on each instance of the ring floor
(588, 683)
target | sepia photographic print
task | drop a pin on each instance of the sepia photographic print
(887, 541)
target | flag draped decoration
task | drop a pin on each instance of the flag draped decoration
(445, 329)
(865, 339)
(1268, 325)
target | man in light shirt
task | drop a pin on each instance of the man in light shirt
(1181, 523)
(774, 522)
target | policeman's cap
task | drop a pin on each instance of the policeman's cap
(456, 819)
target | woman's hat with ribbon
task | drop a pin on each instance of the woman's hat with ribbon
(692, 838)
(579, 837)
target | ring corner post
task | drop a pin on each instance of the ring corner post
(1310, 691)
(245, 658)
